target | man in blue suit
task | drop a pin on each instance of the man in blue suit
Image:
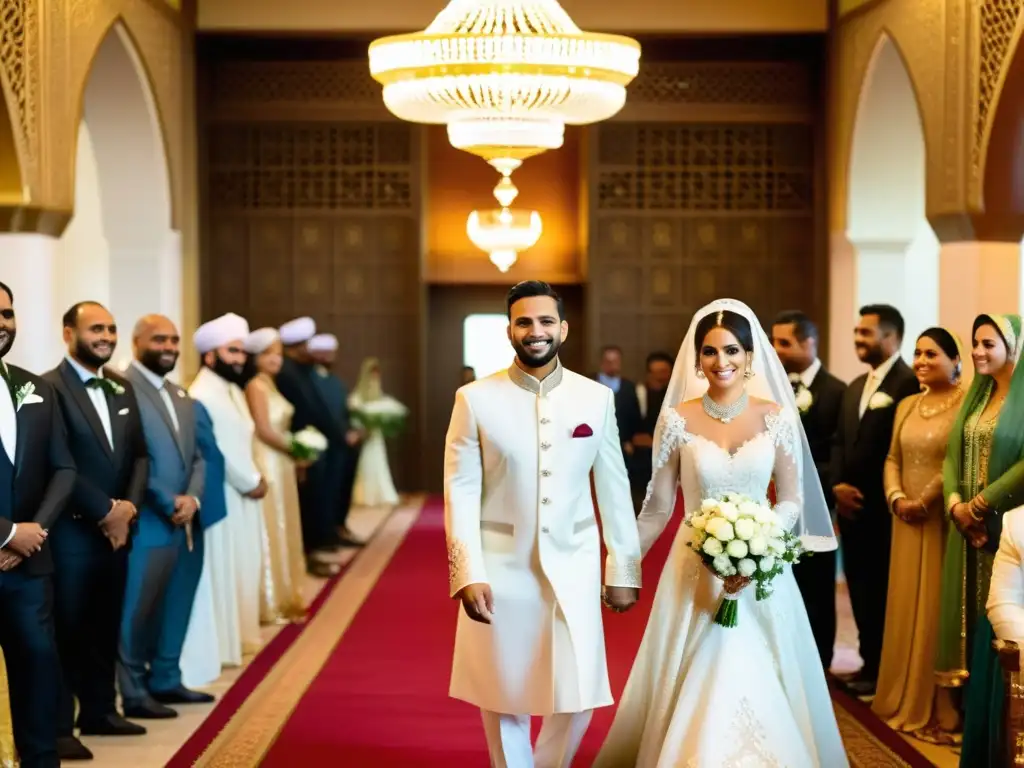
(164, 535)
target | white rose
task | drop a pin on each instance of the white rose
(736, 549)
(745, 528)
(749, 509)
(699, 522)
(764, 516)
(728, 510)
(804, 399)
(758, 545)
(712, 547)
(778, 546)
(709, 505)
(767, 564)
(723, 530)
(746, 567)
(723, 565)
(777, 532)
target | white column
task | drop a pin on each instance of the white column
(27, 263)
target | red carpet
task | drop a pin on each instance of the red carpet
(382, 699)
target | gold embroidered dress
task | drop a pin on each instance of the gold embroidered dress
(8, 756)
(913, 470)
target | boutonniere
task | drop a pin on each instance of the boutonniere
(804, 398)
(583, 430)
(878, 401)
(26, 395)
(116, 388)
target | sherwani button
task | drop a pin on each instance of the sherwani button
(545, 529)
(545, 501)
(545, 446)
(545, 421)
(545, 473)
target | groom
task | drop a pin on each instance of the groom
(523, 543)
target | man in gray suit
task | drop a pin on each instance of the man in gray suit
(149, 652)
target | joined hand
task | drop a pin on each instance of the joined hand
(620, 599)
(28, 539)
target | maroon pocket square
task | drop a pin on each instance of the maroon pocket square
(583, 430)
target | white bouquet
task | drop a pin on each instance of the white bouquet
(308, 443)
(737, 536)
(385, 415)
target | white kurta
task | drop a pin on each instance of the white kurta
(519, 517)
(233, 547)
(1006, 594)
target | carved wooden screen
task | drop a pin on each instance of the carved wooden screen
(683, 214)
(309, 212)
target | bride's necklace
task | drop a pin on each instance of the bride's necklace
(725, 413)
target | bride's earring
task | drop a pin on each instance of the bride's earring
(700, 373)
(748, 374)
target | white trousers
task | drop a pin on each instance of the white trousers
(508, 739)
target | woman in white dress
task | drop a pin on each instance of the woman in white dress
(701, 695)
(378, 414)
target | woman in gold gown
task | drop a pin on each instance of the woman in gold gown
(913, 486)
(284, 564)
(8, 757)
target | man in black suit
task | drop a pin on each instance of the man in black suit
(319, 493)
(37, 475)
(819, 398)
(650, 398)
(90, 540)
(858, 457)
(627, 407)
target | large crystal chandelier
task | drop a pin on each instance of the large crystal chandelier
(505, 76)
(504, 233)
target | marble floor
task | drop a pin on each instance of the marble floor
(165, 737)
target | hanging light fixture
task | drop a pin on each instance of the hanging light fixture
(504, 233)
(505, 76)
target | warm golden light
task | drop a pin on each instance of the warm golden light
(504, 233)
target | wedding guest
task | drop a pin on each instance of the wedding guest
(148, 648)
(319, 493)
(819, 398)
(627, 409)
(983, 477)
(339, 461)
(284, 564)
(37, 475)
(382, 417)
(191, 590)
(858, 460)
(650, 397)
(913, 487)
(233, 546)
(90, 541)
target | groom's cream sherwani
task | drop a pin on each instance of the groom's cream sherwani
(519, 516)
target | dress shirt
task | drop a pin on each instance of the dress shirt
(875, 379)
(96, 394)
(808, 375)
(160, 385)
(612, 382)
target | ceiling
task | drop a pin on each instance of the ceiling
(326, 17)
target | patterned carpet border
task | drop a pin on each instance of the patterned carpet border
(190, 753)
(870, 743)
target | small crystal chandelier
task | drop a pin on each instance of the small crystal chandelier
(505, 76)
(504, 233)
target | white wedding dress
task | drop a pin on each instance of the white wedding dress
(705, 696)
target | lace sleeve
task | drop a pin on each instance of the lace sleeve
(661, 491)
(789, 499)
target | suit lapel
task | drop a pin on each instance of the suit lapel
(142, 385)
(22, 420)
(853, 414)
(183, 410)
(118, 421)
(76, 387)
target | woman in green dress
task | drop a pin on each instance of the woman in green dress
(983, 477)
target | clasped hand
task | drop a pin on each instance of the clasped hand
(620, 599)
(478, 600)
(970, 528)
(116, 526)
(184, 510)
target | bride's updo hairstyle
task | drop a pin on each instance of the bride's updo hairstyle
(730, 321)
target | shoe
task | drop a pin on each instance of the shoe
(348, 540)
(110, 725)
(862, 685)
(182, 695)
(148, 709)
(70, 748)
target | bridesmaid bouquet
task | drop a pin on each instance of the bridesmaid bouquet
(308, 444)
(385, 415)
(737, 536)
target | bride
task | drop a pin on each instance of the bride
(701, 695)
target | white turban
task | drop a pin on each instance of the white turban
(324, 342)
(260, 340)
(217, 333)
(297, 331)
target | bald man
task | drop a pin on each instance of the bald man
(149, 674)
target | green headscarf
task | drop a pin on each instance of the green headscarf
(1008, 439)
